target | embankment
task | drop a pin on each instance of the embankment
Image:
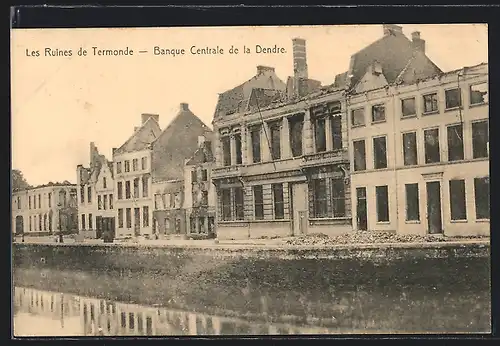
(440, 287)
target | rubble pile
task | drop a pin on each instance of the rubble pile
(368, 237)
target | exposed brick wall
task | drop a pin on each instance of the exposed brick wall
(178, 142)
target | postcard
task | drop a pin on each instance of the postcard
(258, 180)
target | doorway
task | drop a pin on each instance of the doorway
(298, 207)
(434, 221)
(137, 221)
(99, 226)
(19, 224)
(361, 210)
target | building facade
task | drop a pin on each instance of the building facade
(177, 143)
(423, 167)
(132, 163)
(200, 197)
(45, 209)
(96, 212)
(169, 214)
(281, 162)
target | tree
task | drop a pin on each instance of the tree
(18, 180)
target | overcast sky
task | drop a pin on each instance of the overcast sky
(61, 104)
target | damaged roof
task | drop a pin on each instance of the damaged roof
(233, 99)
(177, 143)
(142, 138)
(394, 52)
(202, 155)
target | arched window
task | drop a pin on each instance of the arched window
(45, 222)
(50, 220)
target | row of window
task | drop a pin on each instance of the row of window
(34, 199)
(127, 220)
(39, 223)
(478, 94)
(168, 201)
(105, 202)
(135, 165)
(84, 224)
(458, 200)
(128, 191)
(455, 141)
(328, 195)
(89, 194)
(89, 191)
(273, 138)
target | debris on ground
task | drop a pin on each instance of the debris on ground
(371, 237)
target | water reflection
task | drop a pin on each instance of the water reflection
(44, 313)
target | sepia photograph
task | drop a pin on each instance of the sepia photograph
(250, 180)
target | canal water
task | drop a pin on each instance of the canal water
(44, 313)
(73, 302)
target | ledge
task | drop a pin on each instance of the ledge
(275, 247)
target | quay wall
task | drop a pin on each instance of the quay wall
(410, 260)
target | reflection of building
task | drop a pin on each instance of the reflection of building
(99, 317)
(96, 185)
(53, 305)
(200, 198)
(40, 210)
(420, 152)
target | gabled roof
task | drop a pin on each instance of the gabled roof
(103, 161)
(417, 68)
(183, 119)
(177, 143)
(142, 138)
(393, 52)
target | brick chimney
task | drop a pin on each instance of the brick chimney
(94, 155)
(262, 69)
(146, 116)
(417, 42)
(184, 106)
(300, 72)
(392, 28)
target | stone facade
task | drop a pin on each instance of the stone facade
(287, 166)
(199, 192)
(169, 216)
(132, 162)
(270, 163)
(96, 195)
(45, 209)
(421, 190)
